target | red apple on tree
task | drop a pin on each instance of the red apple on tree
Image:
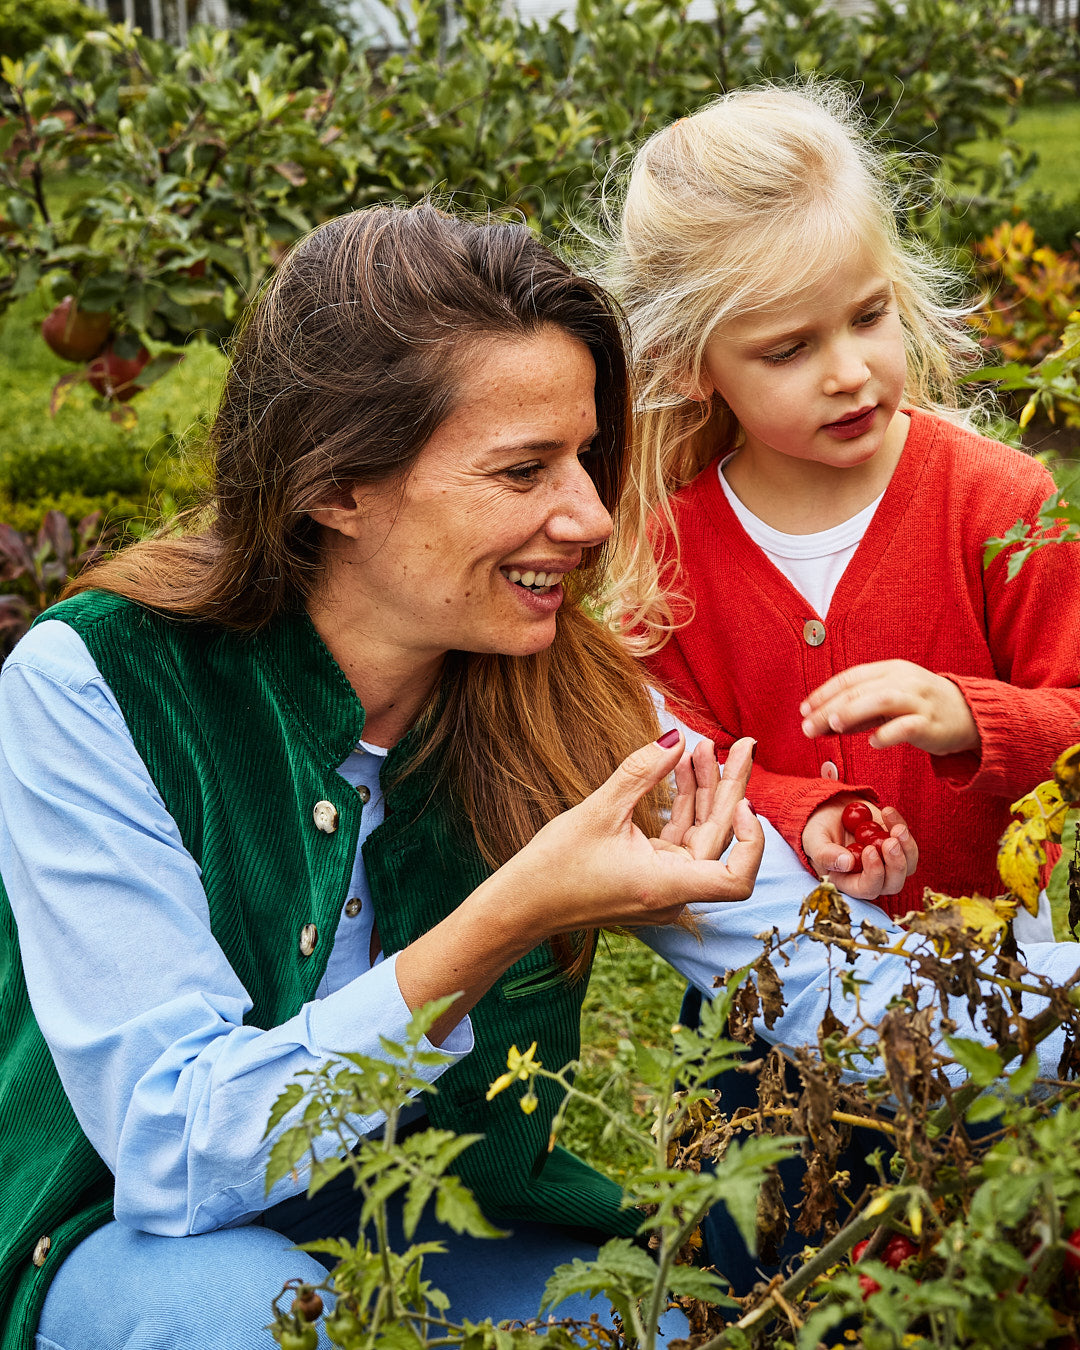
(76, 334)
(114, 376)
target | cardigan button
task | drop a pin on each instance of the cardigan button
(309, 939)
(353, 907)
(363, 792)
(41, 1251)
(830, 771)
(814, 632)
(326, 816)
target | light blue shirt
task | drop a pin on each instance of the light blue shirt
(144, 1015)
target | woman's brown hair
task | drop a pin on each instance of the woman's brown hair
(347, 364)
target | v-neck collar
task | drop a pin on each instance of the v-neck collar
(888, 518)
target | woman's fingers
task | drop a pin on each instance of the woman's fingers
(684, 804)
(639, 773)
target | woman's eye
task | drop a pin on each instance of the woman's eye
(523, 473)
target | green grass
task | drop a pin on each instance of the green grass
(633, 999)
(1052, 130)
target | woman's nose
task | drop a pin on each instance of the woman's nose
(580, 516)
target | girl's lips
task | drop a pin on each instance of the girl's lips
(847, 428)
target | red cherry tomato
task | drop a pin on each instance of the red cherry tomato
(1072, 1256)
(897, 1250)
(868, 1285)
(870, 832)
(859, 1248)
(854, 815)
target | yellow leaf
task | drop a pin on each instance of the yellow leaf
(1043, 802)
(1021, 855)
(1067, 773)
(1027, 412)
(914, 1217)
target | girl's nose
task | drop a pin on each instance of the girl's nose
(580, 516)
(847, 371)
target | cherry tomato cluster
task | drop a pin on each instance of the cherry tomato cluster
(858, 820)
(895, 1252)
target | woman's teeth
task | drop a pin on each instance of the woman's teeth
(533, 581)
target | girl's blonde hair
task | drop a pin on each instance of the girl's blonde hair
(755, 197)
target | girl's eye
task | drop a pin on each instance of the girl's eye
(871, 316)
(779, 358)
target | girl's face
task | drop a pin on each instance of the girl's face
(471, 552)
(818, 377)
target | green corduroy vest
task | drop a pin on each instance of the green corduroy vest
(242, 736)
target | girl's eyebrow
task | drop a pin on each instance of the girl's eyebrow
(763, 341)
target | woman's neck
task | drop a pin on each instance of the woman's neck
(392, 683)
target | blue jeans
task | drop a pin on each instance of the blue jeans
(125, 1290)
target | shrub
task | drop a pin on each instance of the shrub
(25, 25)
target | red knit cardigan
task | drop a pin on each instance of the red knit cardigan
(915, 589)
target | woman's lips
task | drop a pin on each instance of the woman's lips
(847, 428)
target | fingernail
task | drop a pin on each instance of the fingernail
(904, 833)
(804, 708)
(669, 738)
(844, 863)
(808, 728)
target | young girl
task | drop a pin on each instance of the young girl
(799, 365)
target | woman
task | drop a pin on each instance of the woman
(374, 642)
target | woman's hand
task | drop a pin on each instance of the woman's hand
(592, 866)
(829, 847)
(900, 701)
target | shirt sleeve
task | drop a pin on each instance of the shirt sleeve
(140, 1008)
(728, 938)
(1031, 712)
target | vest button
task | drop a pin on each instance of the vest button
(326, 816)
(353, 907)
(363, 792)
(41, 1251)
(830, 771)
(309, 939)
(814, 632)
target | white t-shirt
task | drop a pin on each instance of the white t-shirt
(813, 563)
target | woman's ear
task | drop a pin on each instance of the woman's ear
(340, 512)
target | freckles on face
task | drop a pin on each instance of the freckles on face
(502, 488)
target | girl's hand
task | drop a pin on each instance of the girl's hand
(829, 847)
(592, 866)
(901, 700)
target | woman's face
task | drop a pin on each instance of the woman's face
(469, 554)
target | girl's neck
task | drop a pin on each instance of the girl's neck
(800, 496)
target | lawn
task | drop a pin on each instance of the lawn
(1052, 131)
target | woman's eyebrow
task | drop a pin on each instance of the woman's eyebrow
(538, 447)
